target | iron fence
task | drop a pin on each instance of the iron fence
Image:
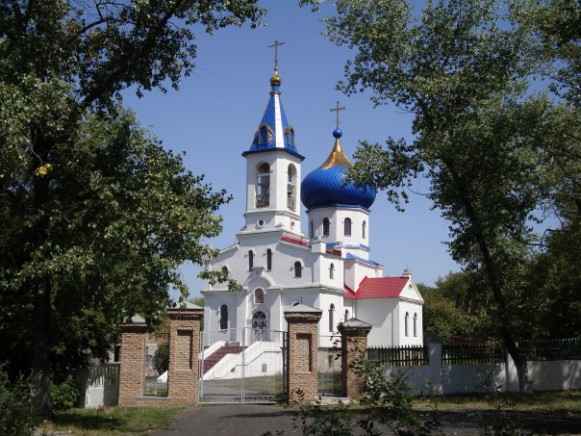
(551, 349)
(473, 352)
(399, 356)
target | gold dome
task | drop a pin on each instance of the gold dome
(275, 79)
(337, 157)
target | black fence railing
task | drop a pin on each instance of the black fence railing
(552, 349)
(398, 356)
(473, 352)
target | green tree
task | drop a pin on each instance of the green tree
(442, 314)
(88, 235)
(487, 143)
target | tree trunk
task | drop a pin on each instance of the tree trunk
(491, 269)
(41, 294)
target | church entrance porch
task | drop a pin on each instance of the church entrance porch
(251, 370)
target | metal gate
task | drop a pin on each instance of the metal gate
(329, 362)
(243, 365)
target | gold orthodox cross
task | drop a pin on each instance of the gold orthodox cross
(337, 109)
(276, 44)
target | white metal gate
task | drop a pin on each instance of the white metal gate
(243, 365)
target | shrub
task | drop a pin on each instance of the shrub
(162, 357)
(16, 415)
(64, 395)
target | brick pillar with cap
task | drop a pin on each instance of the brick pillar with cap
(132, 358)
(184, 346)
(303, 348)
(354, 334)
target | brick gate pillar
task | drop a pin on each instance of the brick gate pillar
(303, 348)
(184, 347)
(353, 348)
(132, 357)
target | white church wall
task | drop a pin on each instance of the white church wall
(337, 217)
(323, 266)
(411, 336)
(356, 271)
(379, 313)
(328, 331)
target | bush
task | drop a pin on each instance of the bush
(64, 395)
(162, 357)
(16, 415)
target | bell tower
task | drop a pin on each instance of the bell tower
(273, 169)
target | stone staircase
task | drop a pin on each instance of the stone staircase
(216, 356)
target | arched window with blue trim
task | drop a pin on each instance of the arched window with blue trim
(326, 227)
(347, 227)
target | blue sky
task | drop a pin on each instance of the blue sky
(214, 114)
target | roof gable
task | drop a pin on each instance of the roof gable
(379, 287)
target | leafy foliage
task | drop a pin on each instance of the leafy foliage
(16, 417)
(162, 357)
(96, 215)
(499, 156)
(65, 394)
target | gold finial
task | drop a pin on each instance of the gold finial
(275, 79)
(337, 157)
(337, 109)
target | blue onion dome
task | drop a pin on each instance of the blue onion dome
(325, 186)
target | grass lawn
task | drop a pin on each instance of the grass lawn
(567, 402)
(118, 421)
(114, 420)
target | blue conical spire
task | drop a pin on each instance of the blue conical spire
(274, 131)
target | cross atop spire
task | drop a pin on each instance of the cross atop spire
(276, 44)
(337, 109)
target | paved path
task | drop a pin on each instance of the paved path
(233, 419)
(258, 419)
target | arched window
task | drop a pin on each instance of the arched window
(311, 230)
(326, 226)
(263, 185)
(250, 260)
(289, 133)
(298, 269)
(269, 259)
(225, 270)
(331, 317)
(264, 135)
(223, 317)
(347, 227)
(363, 229)
(259, 296)
(290, 187)
(406, 322)
(346, 314)
(332, 272)
(415, 325)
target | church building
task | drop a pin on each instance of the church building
(329, 268)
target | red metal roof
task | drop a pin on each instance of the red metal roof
(380, 287)
(295, 239)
